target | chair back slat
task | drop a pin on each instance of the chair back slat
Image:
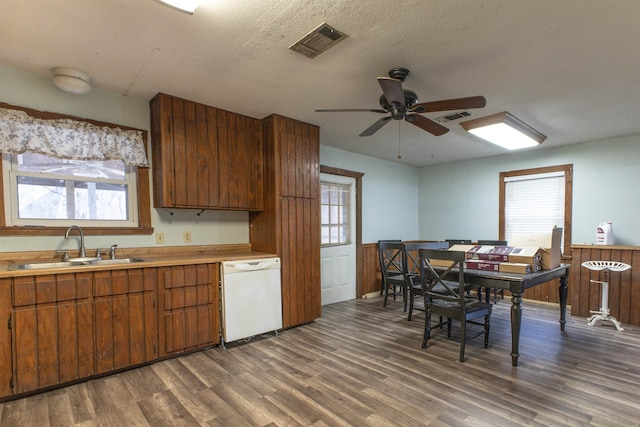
(393, 260)
(413, 253)
(431, 275)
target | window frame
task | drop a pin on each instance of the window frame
(142, 190)
(567, 169)
(347, 226)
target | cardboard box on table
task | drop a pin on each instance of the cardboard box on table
(506, 259)
(549, 243)
(502, 266)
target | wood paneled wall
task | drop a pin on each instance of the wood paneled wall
(371, 277)
(624, 287)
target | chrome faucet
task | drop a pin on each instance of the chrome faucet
(83, 251)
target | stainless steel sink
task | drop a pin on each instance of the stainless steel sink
(116, 261)
(40, 265)
(74, 262)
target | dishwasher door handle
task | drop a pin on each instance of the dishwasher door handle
(252, 266)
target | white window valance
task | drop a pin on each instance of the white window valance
(69, 139)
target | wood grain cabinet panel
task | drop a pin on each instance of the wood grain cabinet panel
(125, 311)
(189, 317)
(205, 157)
(52, 328)
(6, 363)
(67, 327)
(289, 225)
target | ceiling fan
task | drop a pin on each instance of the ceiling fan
(403, 105)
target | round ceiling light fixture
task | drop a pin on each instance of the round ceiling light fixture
(71, 80)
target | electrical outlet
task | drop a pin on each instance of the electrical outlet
(186, 237)
(160, 238)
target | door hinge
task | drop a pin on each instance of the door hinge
(11, 383)
(9, 323)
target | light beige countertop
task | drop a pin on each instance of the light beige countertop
(151, 258)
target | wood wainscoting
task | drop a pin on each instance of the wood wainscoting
(624, 287)
(372, 279)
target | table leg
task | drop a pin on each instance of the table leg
(516, 322)
(563, 301)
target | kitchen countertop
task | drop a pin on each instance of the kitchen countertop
(154, 261)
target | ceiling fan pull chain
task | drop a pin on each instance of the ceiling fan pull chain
(399, 156)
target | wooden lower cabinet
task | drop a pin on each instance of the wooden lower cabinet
(126, 330)
(52, 330)
(190, 316)
(67, 327)
(300, 226)
(6, 356)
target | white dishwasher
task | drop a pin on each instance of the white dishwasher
(251, 298)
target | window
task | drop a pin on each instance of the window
(335, 225)
(42, 195)
(44, 190)
(532, 201)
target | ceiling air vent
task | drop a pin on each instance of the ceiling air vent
(318, 40)
(453, 116)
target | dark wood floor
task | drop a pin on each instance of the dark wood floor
(362, 364)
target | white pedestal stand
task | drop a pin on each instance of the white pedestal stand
(603, 313)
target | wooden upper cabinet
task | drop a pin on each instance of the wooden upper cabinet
(294, 147)
(205, 157)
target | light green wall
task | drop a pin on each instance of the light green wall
(38, 92)
(397, 199)
(389, 194)
(605, 176)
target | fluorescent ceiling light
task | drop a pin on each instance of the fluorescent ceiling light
(188, 6)
(71, 80)
(504, 130)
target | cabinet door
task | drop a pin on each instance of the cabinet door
(190, 317)
(204, 157)
(300, 224)
(240, 161)
(299, 154)
(125, 318)
(6, 365)
(52, 328)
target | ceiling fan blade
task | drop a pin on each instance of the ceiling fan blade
(429, 125)
(450, 104)
(343, 110)
(392, 89)
(376, 126)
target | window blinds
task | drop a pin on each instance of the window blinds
(534, 203)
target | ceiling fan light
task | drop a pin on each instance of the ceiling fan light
(188, 6)
(71, 80)
(504, 130)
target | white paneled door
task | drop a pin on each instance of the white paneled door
(338, 252)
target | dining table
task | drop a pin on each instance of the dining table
(517, 283)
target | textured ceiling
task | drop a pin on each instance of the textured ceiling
(566, 67)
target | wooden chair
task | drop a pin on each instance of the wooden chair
(413, 268)
(380, 256)
(393, 264)
(495, 290)
(454, 303)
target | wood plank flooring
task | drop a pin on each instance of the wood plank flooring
(362, 365)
